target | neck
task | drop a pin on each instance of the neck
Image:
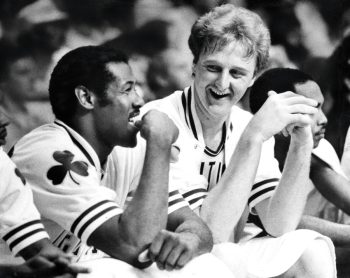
(211, 128)
(85, 126)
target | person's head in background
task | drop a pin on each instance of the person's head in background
(169, 71)
(19, 74)
(281, 80)
(230, 46)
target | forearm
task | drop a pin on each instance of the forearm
(225, 203)
(290, 196)
(333, 186)
(200, 232)
(338, 233)
(146, 214)
(33, 249)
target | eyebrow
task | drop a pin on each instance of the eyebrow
(219, 64)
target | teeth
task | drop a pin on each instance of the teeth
(218, 92)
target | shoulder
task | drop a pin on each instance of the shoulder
(46, 136)
(169, 102)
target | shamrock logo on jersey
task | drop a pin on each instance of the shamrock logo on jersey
(19, 174)
(58, 173)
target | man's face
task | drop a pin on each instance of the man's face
(311, 90)
(114, 118)
(222, 78)
(27, 80)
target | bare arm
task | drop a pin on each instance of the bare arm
(43, 260)
(225, 204)
(338, 233)
(125, 237)
(290, 196)
(334, 187)
(186, 237)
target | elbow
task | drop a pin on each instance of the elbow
(130, 254)
(278, 228)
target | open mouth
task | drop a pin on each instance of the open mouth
(217, 94)
(133, 117)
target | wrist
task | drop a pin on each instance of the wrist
(252, 136)
(301, 145)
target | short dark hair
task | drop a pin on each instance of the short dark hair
(84, 66)
(279, 80)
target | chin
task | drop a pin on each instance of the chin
(130, 143)
(316, 143)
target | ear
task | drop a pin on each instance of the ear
(85, 97)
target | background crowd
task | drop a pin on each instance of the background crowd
(311, 35)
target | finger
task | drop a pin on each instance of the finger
(173, 257)
(184, 258)
(168, 245)
(271, 93)
(289, 129)
(39, 262)
(298, 99)
(174, 155)
(55, 254)
(138, 124)
(75, 269)
(301, 108)
(284, 132)
(300, 119)
(156, 246)
(62, 262)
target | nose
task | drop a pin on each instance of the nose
(322, 119)
(223, 81)
(138, 100)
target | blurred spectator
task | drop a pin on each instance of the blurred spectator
(23, 99)
(284, 26)
(335, 81)
(169, 71)
(159, 64)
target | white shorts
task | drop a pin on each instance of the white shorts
(202, 266)
(269, 257)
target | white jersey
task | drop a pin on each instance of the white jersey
(65, 174)
(187, 171)
(189, 175)
(123, 174)
(20, 224)
(67, 181)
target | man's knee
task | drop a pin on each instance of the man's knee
(231, 254)
(317, 260)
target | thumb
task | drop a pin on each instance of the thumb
(138, 124)
(271, 93)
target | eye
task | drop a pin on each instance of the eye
(213, 68)
(236, 73)
(128, 89)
